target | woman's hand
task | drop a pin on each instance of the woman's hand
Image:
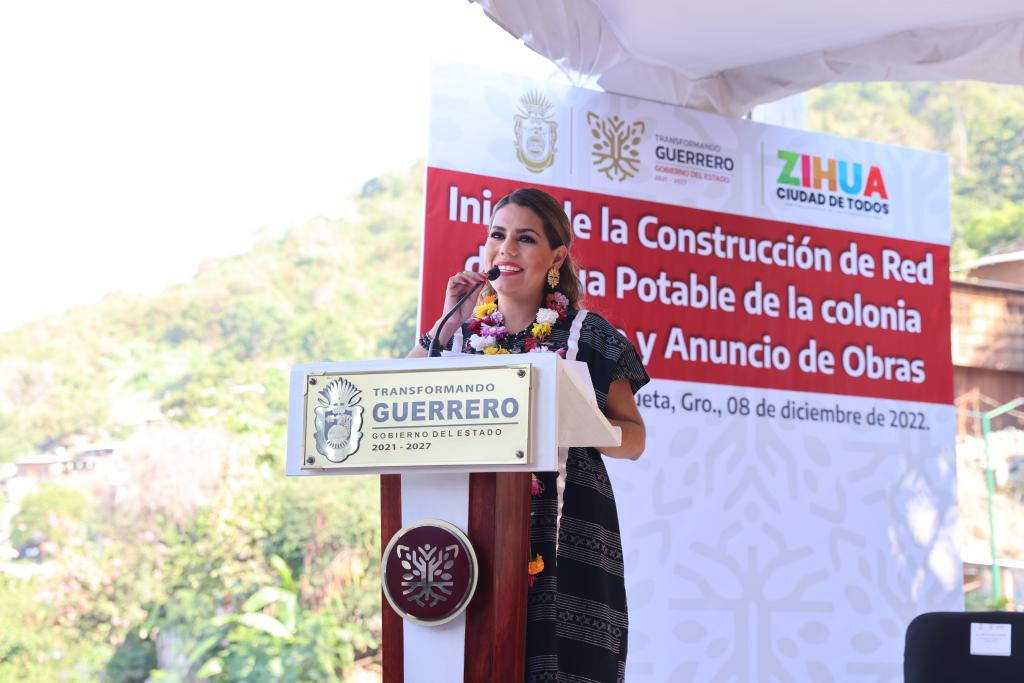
(458, 285)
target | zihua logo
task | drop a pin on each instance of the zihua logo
(615, 150)
(337, 420)
(836, 183)
(536, 132)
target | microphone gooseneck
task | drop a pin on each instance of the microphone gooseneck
(435, 347)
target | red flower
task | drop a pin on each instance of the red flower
(552, 302)
(530, 343)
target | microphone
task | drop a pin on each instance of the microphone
(435, 348)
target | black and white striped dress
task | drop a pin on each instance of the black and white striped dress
(576, 616)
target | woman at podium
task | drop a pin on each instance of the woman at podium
(576, 613)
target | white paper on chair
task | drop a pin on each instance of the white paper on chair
(990, 639)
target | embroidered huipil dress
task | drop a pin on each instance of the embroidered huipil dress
(576, 613)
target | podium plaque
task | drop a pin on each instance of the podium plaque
(417, 418)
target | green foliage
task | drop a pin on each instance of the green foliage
(992, 226)
(54, 513)
(132, 662)
(272, 638)
(99, 591)
(24, 644)
(272, 581)
(979, 601)
(980, 126)
(102, 605)
(71, 621)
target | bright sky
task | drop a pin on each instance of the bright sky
(138, 138)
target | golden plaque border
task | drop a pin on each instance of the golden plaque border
(318, 464)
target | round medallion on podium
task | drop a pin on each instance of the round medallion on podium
(429, 572)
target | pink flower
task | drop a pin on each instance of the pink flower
(497, 331)
(535, 488)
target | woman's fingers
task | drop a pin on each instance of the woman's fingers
(459, 283)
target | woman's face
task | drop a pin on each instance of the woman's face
(517, 245)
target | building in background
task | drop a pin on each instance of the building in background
(988, 372)
(988, 329)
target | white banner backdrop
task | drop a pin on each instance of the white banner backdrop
(796, 504)
(775, 550)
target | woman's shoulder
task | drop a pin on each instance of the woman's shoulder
(595, 322)
(609, 354)
(597, 332)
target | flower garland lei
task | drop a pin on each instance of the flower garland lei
(487, 325)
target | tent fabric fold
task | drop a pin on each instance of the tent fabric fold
(579, 37)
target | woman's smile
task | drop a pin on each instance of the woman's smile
(507, 268)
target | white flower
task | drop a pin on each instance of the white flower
(480, 343)
(546, 315)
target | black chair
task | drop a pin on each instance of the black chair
(938, 649)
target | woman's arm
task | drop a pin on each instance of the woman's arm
(621, 411)
(416, 351)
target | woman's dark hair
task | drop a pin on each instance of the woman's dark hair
(556, 229)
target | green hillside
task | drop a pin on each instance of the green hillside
(186, 553)
(341, 289)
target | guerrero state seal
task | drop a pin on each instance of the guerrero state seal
(536, 132)
(337, 420)
(429, 572)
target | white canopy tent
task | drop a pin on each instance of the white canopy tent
(729, 55)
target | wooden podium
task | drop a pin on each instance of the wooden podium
(455, 439)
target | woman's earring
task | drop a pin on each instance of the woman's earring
(553, 277)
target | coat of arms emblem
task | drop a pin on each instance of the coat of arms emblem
(536, 132)
(337, 420)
